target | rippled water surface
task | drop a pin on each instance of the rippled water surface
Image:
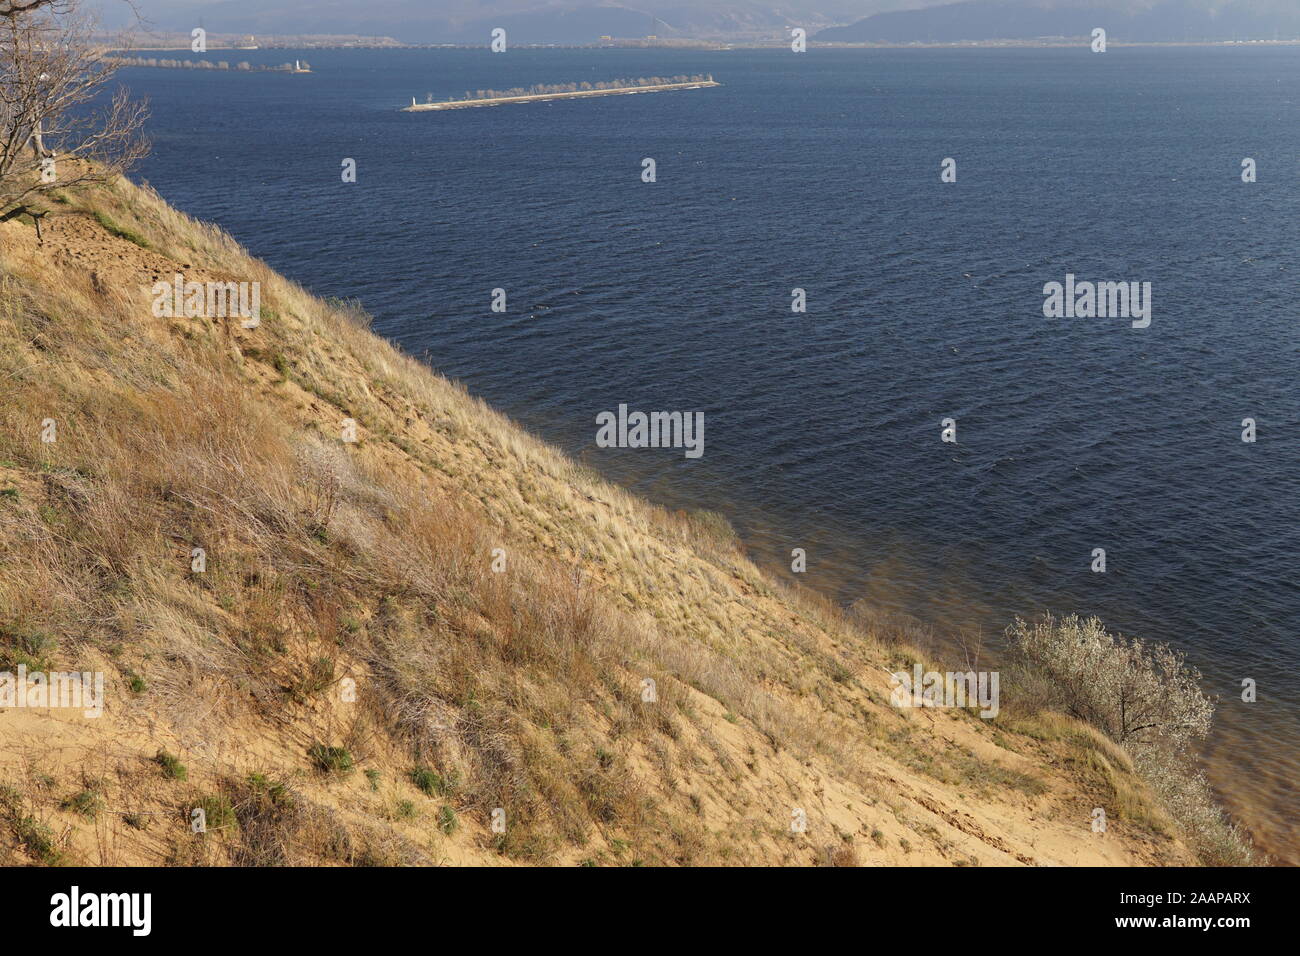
(924, 302)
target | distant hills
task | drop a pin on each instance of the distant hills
(526, 21)
(471, 21)
(586, 21)
(1156, 20)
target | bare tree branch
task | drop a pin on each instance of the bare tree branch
(59, 124)
(11, 8)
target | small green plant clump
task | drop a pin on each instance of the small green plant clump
(431, 783)
(331, 759)
(171, 766)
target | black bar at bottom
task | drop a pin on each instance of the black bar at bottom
(340, 906)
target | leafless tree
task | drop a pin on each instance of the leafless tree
(1137, 694)
(60, 125)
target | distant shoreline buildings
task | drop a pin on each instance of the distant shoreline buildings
(297, 66)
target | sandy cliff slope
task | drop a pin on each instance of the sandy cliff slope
(349, 680)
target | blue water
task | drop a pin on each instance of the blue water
(925, 299)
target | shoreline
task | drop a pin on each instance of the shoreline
(544, 97)
(944, 629)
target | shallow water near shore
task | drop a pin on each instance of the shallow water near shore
(924, 302)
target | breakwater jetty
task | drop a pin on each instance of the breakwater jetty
(564, 92)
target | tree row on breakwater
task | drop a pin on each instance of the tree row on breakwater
(555, 91)
(301, 66)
